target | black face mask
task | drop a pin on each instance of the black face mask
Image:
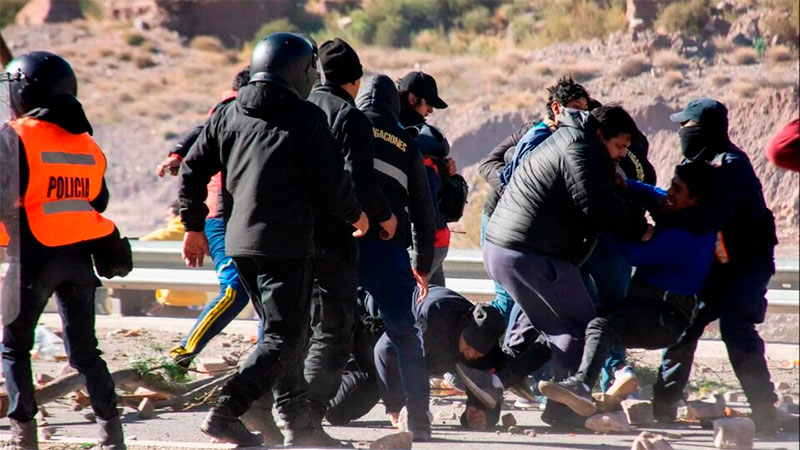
(694, 143)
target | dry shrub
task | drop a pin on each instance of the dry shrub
(126, 98)
(510, 60)
(685, 17)
(206, 44)
(125, 56)
(744, 56)
(540, 68)
(143, 61)
(743, 88)
(779, 54)
(634, 66)
(673, 78)
(668, 60)
(105, 52)
(779, 24)
(720, 80)
(722, 44)
(581, 72)
(134, 39)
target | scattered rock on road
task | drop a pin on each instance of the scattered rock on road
(706, 408)
(508, 420)
(445, 415)
(649, 441)
(514, 430)
(734, 433)
(530, 433)
(402, 440)
(612, 422)
(89, 416)
(638, 412)
(145, 410)
(734, 396)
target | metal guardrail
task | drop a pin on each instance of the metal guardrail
(159, 265)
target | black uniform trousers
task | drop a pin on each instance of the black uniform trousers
(70, 275)
(280, 290)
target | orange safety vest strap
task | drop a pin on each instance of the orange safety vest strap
(66, 174)
(4, 237)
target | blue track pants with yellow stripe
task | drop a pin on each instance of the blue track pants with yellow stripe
(230, 301)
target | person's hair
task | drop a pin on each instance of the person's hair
(613, 120)
(698, 176)
(593, 103)
(404, 99)
(241, 78)
(175, 208)
(563, 92)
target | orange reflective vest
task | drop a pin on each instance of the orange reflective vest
(66, 173)
(4, 237)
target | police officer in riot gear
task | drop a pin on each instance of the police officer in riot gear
(62, 192)
(280, 166)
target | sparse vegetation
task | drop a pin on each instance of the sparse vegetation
(779, 54)
(720, 80)
(542, 23)
(743, 88)
(9, 10)
(143, 61)
(673, 78)
(91, 9)
(744, 56)
(722, 44)
(634, 66)
(668, 60)
(206, 44)
(779, 24)
(134, 39)
(687, 17)
(581, 72)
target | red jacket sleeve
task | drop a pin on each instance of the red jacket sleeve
(784, 149)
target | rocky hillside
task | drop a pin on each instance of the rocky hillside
(143, 86)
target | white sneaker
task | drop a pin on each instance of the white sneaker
(625, 383)
(523, 403)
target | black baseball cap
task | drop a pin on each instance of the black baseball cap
(422, 85)
(705, 111)
(484, 327)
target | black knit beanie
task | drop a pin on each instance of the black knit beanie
(340, 62)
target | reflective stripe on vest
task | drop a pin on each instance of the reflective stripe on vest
(719, 249)
(637, 165)
(391, 171)
(65, 174)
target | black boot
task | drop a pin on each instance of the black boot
(259, 418)
(300, 432)
(221, 423)
(111, 436)
(23, 436)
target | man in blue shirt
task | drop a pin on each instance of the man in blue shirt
(671, 269)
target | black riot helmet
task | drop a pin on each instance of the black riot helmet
(286, 59)
(35, 77)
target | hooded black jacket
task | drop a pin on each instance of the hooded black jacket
(280, 165)
(353, 131)
(562, 196)
(400, 171)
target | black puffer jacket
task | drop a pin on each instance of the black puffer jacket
(280, 165)
(400, 171)
(353, 131)
(496, 161)
(562, 196)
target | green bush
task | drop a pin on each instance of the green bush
(689, 17)
(779, 24)
(9, 10)
(134, 39)
(274, 26)
(477, 20)
(393, 31)
(542, 23)
(91, 9)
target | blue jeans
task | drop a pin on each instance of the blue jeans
(385, 272)
(502, 300)
(230, 301)
(607, 275)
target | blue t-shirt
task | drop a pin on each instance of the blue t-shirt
(529, 141)
(675, 259)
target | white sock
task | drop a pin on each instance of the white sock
(496, 381)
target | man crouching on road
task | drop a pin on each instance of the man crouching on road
(280, 166)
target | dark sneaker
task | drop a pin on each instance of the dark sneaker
(664, 412)
(572, 393)
(524, 392)
(420, 426)
(259, 418)
(423, 435)
(181, 357)
(480, 384)
(111, 436)
(23, 436)
(222, 424)
(314, 437)
(558, 415)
